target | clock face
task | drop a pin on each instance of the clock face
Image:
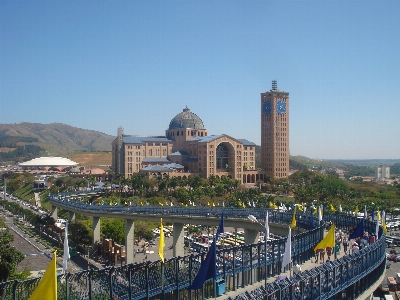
(280, 107)
(267, 107)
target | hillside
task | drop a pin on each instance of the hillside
(100, 160)
(56, 138)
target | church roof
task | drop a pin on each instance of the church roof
(247, 143)
(206, 139)
(139, 140)
(166, 168)
(191, 159)
(156, 160)
(186, 119)
(179, 153)
(209, 138)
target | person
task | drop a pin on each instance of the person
(372, 238)
(329, 252)
(316, 255)
(322, 255)
(337, 250)
(355, 248)
(345, 245)
(297, 268)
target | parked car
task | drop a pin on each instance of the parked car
(394, 252)
(393, 257)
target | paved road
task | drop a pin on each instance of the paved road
(394, 266)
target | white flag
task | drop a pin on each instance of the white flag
(66, 249)
(319, 214)
(340, 207)
(377, 230)
(287, 256)
(266, 227)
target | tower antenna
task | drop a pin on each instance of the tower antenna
(274, 85)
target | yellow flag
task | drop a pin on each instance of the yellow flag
(294, 219)
(356, 210)
(162, 243)
(328, 241)
(315, 211)
(213, 204)
(379, 215)
(275, 206)
(47, 288)
(332, 208)
(384, 226)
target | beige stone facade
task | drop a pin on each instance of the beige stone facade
(185, 150)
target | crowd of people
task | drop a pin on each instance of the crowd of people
(342, 243)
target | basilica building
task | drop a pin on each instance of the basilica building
(186, 150)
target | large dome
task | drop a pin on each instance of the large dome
(186, 119)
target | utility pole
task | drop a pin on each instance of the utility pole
(4, 186)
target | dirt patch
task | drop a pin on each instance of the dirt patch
(4, 149)
(93, 159)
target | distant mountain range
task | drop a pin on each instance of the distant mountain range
(56, 139)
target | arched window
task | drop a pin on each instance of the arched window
(222, 157)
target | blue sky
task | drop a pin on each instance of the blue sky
(103, 64)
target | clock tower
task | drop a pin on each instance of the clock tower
(275, 132)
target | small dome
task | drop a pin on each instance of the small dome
(186, 119)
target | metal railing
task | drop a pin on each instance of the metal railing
(237, 266)
(344, 278)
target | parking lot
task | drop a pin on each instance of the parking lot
(394, 262)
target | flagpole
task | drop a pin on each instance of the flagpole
(254, 219)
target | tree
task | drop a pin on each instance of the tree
(144, 229)
(114, 229)
(80, 233)
(9, 256)
(209, 191)
(181, 194)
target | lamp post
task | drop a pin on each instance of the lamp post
(253, 219)
(4, 186)
(88, 257)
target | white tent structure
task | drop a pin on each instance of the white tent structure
(48, 162)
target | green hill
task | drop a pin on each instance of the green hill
(56, 139)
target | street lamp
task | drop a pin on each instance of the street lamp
(253, 219)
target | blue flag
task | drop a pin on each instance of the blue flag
(373, 213)
(208, 267)
(358, 232)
